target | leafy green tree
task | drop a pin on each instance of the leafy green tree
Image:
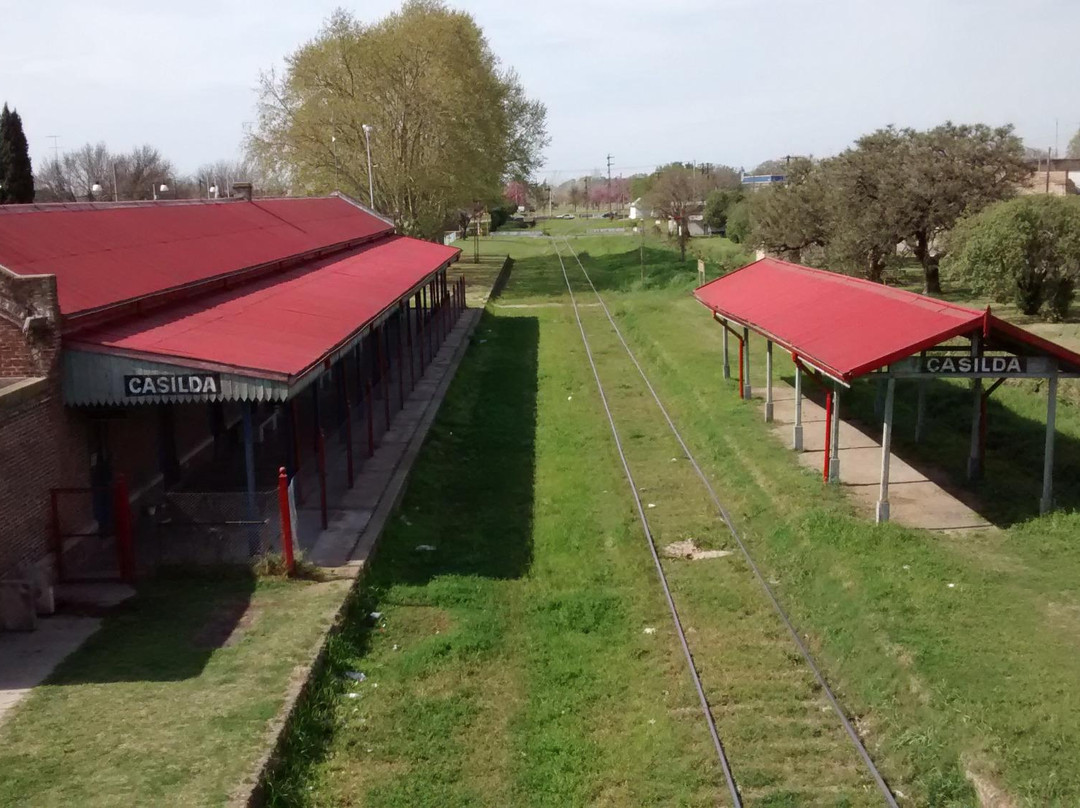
(717, 205)
(448, 127)
(1025, 250)
(954, 170)
(790, 218)
(16, 173)
(675, 192)
(1074, 145)
(738, 222)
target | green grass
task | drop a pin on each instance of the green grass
(156, 708)
(511, 664)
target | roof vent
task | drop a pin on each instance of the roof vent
(242, 190)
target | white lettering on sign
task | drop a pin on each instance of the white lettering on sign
(975, 364)
(185, 384)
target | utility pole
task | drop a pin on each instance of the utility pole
(55, 147)
(586, 194)
(609, 183)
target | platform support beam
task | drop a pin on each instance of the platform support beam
(1047, 501)
(249, 473)
(834, 459)
(797, 430)
(746, 362)
(974, 470)
(768, 382)
(920, 412)
(727, 359)
(886, 451)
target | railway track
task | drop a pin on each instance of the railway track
(622, 350)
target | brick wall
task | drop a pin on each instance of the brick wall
(29, 325)
(41, 447)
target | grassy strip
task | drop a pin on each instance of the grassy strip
(974, 681)
(169, 702)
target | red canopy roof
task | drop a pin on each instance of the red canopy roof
(282, 325)
(849, 326)
(105, 254)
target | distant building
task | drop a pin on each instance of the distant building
(638, 210)
(754, 181)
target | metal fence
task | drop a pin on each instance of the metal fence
(207, 528)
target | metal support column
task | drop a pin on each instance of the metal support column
(920, 412)
(974, 470)
(249, 473)
(886, 451)
(1047, 501)
(797, 430)
(746, 362)
(834, 460)
(727, 359)
(768, 382)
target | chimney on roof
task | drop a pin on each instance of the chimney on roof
(242, 190)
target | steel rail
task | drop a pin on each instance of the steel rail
(852, 734)
(717, 743)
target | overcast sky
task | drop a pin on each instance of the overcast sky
(724, 81)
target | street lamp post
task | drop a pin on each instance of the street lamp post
(370, 178)
(155, 188)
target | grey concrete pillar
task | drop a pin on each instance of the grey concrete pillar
(834, 460)
(746, 363)
(768, 382)
(1047, 501)
(886, 451)
(797, 430)
(974, 466)
(727, 358)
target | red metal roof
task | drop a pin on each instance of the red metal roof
(849, 326)
(279, 326)
(107, 254)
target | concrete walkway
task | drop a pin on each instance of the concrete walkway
(915, 499)
(357, 518)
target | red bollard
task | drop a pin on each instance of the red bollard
(286, 519)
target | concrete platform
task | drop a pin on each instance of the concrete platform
(916, 498)
(357, 517)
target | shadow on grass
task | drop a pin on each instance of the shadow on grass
(470, 500)
(1011, 486)
(168, 632)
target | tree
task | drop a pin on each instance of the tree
(1073, 149)
(517, 192)
(675, 191)
(448, 127)
(738, 222)
(16, 174)
(954, 170)
(789, 218)
(866, 218)
(1025, 250)
(717, 206)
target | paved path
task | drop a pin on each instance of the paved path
(915, 499)
(357, 519)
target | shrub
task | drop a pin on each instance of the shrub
(1026, 250)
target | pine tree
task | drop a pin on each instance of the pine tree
(16, 175)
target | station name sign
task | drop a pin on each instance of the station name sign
(172, 384)
(975, 364)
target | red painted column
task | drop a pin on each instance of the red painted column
(286, 519)
(125, 547)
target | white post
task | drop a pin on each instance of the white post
(797, 438)
(768, 382)
(746, 363)
(727, 359)
(834, 462)
(886, 451)
(1047, 501)
(973, 470)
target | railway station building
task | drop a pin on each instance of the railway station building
(162, 362)
(837, 329)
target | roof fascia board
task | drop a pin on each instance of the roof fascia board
(357, 203)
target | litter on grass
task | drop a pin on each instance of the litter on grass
(649, 630)
(376, 616)
(652, 504)
(354, 695)
(425, 548)
(356, 676)
(688, 549)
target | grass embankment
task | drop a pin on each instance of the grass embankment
(510, 664)
(169, 703)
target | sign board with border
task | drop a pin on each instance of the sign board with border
(974, 367)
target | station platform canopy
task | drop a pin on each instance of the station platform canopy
(213, 300)
(847, 327)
